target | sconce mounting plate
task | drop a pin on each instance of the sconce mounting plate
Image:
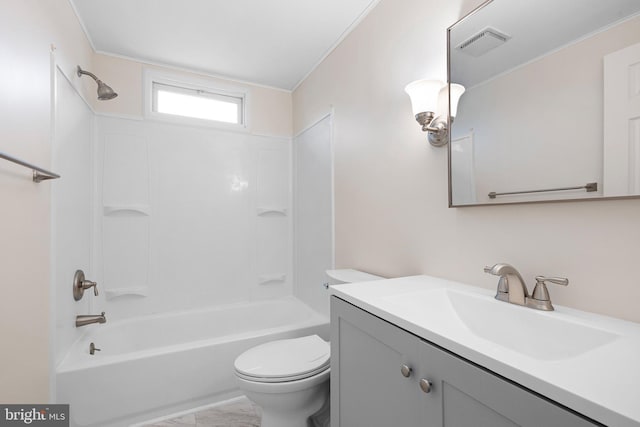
(438, 132)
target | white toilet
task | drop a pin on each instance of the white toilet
(289, 378)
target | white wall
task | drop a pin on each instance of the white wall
(391, 186)
(28, 29)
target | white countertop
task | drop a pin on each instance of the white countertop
(602, 383)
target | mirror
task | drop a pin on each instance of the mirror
(552, 103)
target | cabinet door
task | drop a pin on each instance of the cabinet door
(470, 396)
(367, 386)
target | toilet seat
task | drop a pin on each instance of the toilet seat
(284, 360)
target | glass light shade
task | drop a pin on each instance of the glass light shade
(443, 101)
(424, 95)
(456, 92)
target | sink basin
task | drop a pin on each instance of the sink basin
(537, 334)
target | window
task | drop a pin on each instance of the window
(195, 103)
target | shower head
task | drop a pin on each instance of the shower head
(104, 91)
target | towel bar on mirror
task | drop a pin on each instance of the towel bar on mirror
(589, 187)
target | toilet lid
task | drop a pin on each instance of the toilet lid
(284, 360)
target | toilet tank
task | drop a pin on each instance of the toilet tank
(348, 275)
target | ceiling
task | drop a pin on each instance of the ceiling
(274, 43)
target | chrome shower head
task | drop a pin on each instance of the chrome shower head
(104, 91)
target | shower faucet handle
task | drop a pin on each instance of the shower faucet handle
(80, 284)
(89, 284)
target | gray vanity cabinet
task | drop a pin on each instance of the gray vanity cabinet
(367, 386)
(383, 376)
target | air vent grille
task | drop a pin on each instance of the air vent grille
(482, 42)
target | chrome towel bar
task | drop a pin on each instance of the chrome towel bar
(589, 187)
(39, 174)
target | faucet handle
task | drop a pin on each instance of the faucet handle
(557, 280)
(88, 284)
(80, 284)
(540, 292)
(93, 348)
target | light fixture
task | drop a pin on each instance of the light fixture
(429, 97)
(104, 91)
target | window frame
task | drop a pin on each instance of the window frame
(189, 85)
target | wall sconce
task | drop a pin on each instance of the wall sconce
(426, 96)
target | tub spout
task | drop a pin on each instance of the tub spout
(84, 319)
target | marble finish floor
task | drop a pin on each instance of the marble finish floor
(238, 413)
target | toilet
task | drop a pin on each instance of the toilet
(289, 379)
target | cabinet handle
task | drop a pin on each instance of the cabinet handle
(425, 385)
(405, 371)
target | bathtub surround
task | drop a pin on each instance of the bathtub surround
(313, 212)
(71, 211)
(181, 203)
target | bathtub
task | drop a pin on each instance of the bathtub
(161, 364)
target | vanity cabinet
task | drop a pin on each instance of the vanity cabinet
(383, 376)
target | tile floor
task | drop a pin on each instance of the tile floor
(239, 413)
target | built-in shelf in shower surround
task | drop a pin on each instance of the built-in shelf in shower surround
(272, 222)
(264, 279)
(127, 209)
(262, 211)
(140, 291)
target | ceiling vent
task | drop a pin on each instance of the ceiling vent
(483, 42)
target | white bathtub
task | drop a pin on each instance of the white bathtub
(160, 364)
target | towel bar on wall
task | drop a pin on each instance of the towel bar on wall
(39, 174)
(589, 187)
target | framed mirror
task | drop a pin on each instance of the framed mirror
(552, 103)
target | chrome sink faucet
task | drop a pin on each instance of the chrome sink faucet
(512, 289)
